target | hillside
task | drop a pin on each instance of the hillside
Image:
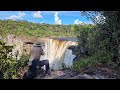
(29, 29)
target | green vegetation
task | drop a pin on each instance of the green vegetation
(101, 44)
(9, 66)
(28, 29)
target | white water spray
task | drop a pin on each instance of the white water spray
(56, 51)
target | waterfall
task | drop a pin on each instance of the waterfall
(68, 60)
(56, 51)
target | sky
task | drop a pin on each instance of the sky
(48, 17)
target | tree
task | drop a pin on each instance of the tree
(108, 27)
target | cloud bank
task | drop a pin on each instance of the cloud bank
(16, 17)
(56, 18)
(37, 14)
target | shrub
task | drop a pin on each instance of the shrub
(9, 66)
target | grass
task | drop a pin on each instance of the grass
(98, 58)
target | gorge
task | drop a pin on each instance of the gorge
(56, 49)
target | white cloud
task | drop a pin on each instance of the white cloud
(37, 14)
(15, 17)
(41, 22)
(56, 18)
(77, 21)
(82, 23)
(100, 19)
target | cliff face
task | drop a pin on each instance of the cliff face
(21, 45)
(20, 41)
(16, 42)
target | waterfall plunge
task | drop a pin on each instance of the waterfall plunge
(57, 52)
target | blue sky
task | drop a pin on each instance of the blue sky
(48, 17)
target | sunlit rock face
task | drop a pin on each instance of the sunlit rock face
(16, 42)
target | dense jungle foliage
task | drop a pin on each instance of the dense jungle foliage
(100, 45)
(29, 29)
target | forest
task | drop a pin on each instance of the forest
(29, 29)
